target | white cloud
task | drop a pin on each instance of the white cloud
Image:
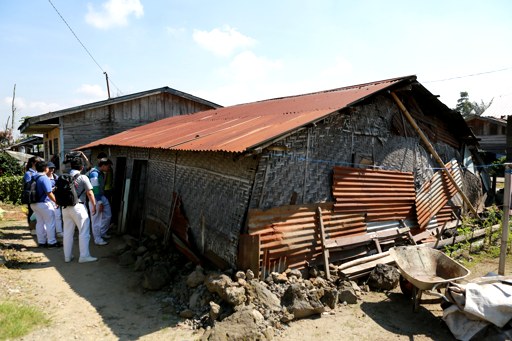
(222, 41)
(340, 69)
(246, 66)
(31, 108)
(114, 13)
(175, 31)
(92, 91)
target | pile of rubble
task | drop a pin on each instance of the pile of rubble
(236, 304)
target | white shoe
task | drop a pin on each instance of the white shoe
(87, 259)
(69, 259)
(102, 243)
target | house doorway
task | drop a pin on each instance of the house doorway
(135, 213)
(117, 195)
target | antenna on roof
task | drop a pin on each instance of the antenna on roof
(108, 87)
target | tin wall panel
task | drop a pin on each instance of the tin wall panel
(380, 194)
(435, 193)
(290, 237)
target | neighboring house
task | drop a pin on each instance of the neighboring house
(67, 129)
(491, 127)
(262, 168)
(492, 135)
(30, 145)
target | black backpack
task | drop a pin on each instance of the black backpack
(29, 194)
(65, 190)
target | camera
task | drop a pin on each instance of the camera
(72, 156)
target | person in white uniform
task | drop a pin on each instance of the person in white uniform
(44, 209)
(100, 221)
(77, 216)
(58, 214)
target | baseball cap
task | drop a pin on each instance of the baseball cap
(51, 165)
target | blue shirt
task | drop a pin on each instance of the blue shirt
(28, 175)
(43, 186)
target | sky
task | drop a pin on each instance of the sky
(228, 52)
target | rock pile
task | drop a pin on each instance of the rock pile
(235, 305)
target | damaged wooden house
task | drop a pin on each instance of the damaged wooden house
(271, 185)
(66, 129)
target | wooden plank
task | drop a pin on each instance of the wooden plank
(362, 269)
(249, 253)
(325, 251)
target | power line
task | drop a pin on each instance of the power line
(471, 75)
(85, 48)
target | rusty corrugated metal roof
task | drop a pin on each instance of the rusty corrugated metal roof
(243, 127)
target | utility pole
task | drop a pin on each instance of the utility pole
(506, 199)
(108, 86)
(13, 108)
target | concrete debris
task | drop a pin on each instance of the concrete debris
(235, 305)
(383, 277)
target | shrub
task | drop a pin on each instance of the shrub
(11, 188)
(9, 166)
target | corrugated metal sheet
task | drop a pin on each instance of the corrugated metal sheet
(242, 127)
(389, 225)
(435, 193)
(446, 214)
(290, 236)
(381, 194)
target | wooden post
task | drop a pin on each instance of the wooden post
(506, 215)
(432, 151)
(325, 251)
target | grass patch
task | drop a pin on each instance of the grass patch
(17, 320)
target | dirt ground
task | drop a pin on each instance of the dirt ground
(104, 301)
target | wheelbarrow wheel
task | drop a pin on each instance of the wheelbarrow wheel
(406, 287)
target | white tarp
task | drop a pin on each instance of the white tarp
(480, 303)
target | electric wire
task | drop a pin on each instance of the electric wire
(470, 75)
(85, 48)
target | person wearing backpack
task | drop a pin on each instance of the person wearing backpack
(58, 213)
(76, 215)
(44, 209)
(29, 173)
(100, 221)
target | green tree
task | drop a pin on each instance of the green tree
(467, 108)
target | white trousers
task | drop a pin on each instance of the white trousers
(58, 218)
(101, 220)
(45, 226)
(76, 216)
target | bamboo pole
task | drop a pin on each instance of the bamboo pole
(432, 151)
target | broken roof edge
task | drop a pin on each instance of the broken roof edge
(115, 100)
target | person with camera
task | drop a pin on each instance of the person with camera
(77, 215)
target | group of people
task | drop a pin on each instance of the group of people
(92, 212)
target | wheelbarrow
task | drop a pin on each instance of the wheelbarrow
(426, 270)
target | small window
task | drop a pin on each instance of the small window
(56, 146)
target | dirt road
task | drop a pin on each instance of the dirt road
(104, 301)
